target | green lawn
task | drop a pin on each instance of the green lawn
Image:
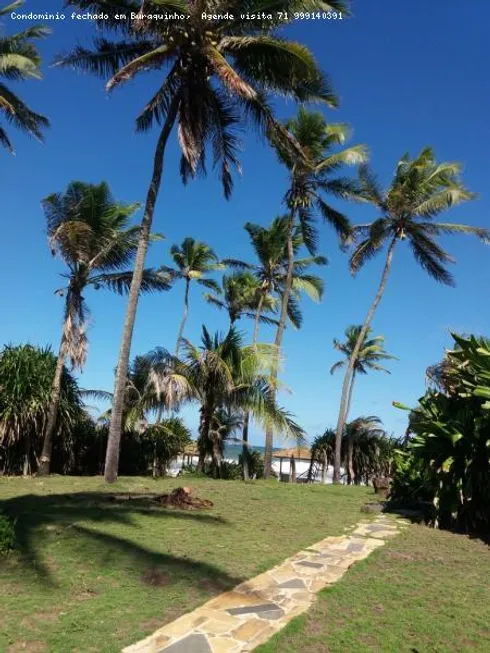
(427, 591)
(95, 575)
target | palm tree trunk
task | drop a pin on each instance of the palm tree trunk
(45, 462)
(246, 419)
(217, 458)
(269, 436)
(350, 443)
(112, 452)
(184, 316)
(350, 368)
(204, 427)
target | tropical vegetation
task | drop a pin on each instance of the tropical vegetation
(446, 460)
(19, 60)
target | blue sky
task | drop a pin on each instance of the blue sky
(408, 74)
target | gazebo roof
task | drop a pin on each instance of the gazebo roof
(190, 449)
(298, 452)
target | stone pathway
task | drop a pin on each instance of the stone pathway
(250, 614)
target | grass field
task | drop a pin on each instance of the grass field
(426, 591)
(94, 575)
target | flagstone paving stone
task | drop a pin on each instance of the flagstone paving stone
(241, 619)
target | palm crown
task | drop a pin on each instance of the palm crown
(217, 73)
(311, 178)
(194, 259)
(240, 297)
(90, 231)
(372, 351)
(19, 60)
(270, 247)
(421, 190)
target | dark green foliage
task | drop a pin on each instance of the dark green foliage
(26, 375)
(255, 463)
(7, 534)
(447, 459)
(230, 471)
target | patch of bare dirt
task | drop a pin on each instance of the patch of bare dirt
(155, 578)
(31, 647)
(181, 498)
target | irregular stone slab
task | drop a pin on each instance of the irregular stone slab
(273, 615)
(190, 644)
(255, 609)
(295, 583)
(312, 565)
(353, 547)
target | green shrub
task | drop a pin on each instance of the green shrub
(230, 471)
(7, 534)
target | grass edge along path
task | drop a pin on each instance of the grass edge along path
(426, 591)
(252, 612)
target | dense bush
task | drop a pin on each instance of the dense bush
(26, 376)
(447, 459)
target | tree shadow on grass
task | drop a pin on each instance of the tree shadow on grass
(70, 515)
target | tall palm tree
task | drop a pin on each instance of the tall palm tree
(270, 247)
(20, 60)
(240, 297)
(311, 179)
(193, 260)
(370, 354)
(421, 189)
(215, 76)
(90, 232)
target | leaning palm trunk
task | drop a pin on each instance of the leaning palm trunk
(350, 443)
(246, 418)
(113, 442)
(352, 361)
(184, 317)
(269, 437)
(45, 461)
(217, 459)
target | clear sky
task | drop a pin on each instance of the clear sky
(409, 74)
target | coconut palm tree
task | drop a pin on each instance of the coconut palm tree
(421, 190)
(226, 374)
(215, 76)
(20, 60)
(89, 230)
(310, 179)
(368, 357)
(193, 260)
(270, 247)
(240, 297)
